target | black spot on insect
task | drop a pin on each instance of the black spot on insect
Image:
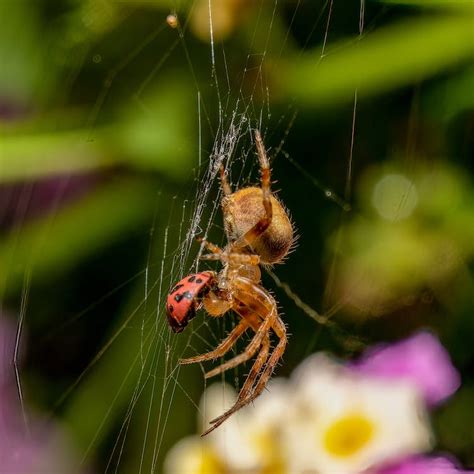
(176, 288)
(199, 280)
(176, 326)
(191, 279)
(188, 295)
(170, 308)
(191, 313)
(178, 297)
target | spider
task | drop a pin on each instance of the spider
(259, 232)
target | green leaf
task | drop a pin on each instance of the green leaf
(387, 59)
(25, 75)
(32, 156)
(432, 3)
(155, 132)
(159, 129)
(451, 97)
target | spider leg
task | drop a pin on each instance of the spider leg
(250, 350)
(256, 368)
(224, 183)
(214, 249)
(210, 256)
(216, 252)
(264, 165)
(262, 225)
(241, 258)
(222, 348)
(249, 382)
(235, 361)
(235, 257)
(280, 330)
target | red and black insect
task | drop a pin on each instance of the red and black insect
(186, 297)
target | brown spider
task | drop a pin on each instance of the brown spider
(259, 231)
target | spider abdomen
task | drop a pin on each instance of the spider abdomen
(244, 208)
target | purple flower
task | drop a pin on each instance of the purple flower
(7, 350)
(420, 358)
(21, 451)
(27, 445)
(422, 465)
(41, 196)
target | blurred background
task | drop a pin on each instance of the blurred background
(114, 116)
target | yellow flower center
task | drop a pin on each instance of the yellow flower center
(202, 460)
(348, 435)
(211, 464)
(266, 445)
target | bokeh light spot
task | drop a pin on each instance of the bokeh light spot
(394, 197)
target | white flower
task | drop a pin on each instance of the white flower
(346, 423)
(325, 419)
(192, 455)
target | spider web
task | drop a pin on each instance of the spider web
(140, 420)
(238, 115)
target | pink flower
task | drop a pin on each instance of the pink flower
(420, 358)
(422, 465)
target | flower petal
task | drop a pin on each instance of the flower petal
(422, 465)
(420, 359)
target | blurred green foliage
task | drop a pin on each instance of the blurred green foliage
(106, 89)
(417, 49)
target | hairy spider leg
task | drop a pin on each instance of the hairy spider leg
(213, 248)
(280, 330)
(256, 368)
(235, 257)
(263, 223)
(251, 395)
(216, 252)
(248, 353)
(222, 348)
(226, 189)
(250, 295)
(258, 379)
(249, 382)
(226, 344)
(250, 300)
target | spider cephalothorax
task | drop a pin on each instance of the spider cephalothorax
(258, 231)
